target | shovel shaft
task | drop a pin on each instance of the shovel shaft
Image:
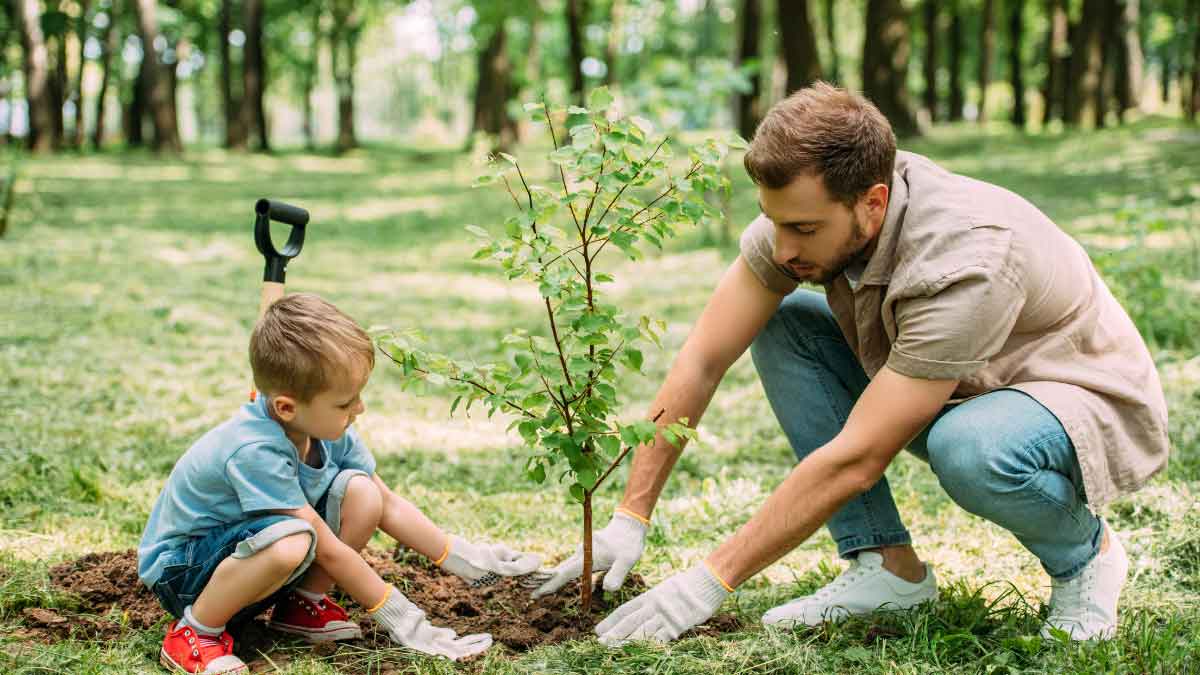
(271, 291)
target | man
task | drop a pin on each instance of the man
(958, 321)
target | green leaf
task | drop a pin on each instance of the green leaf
(629, 436)
(538, 473)
(534, 107)
(507, 157)
(577, 492)
(600, 99)
(478, 231)
(603, 277)
(454, 405)
(610, 444)
(633, 359)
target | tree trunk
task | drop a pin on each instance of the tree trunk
(81, 33)
(344, 50)
(37, 77)
(1056, 61)
(6, 83)
(612, 47)
(59, 87)
(987, 41)
(135, 116)
(235, 134)
(1130, 61)
(310, 79)
(746, 103)
(1016, 25)
(831, 37)
(885, 63)
(1193, 106)
(798, 44)
(158, 85)
(576, 14)
(108, 44)
(930, 65)
(1087, 56)
(254, 76)
(493, 89)
(957, 99)
(585, 578)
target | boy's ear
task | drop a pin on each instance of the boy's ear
(283, 407)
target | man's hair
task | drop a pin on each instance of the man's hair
(301, 343)
(824, 131)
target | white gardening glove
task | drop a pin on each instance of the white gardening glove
(406, 624)
(666, 611)
(615, 548)
(484, 564)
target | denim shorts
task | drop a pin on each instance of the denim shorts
(188, 569)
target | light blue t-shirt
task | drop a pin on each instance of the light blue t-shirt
(243, 466)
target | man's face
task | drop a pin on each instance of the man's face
(817, 237)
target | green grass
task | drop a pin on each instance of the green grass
(129, 286)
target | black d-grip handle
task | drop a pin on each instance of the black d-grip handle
(276, 261)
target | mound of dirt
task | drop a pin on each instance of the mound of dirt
(112, 601)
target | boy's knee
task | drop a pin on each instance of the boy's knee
(291, 551)
(363, 500)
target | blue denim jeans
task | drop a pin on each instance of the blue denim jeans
(191, 566)
(1001, 456)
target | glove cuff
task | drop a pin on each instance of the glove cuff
(628, 523)
(708, 587)
(392, 609)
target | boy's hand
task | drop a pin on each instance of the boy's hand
(406, 624)
(481, 564)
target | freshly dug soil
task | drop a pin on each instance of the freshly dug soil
(112, 602)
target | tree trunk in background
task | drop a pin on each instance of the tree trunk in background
(254, 77)
(344, 51)
(1056, 61)
(6, 85)
(1130, 62)
(108, 43)
(37, 76)
(158, 85)
(58, 87)
(987, 42)
(1164, 57)
(1016, 25)
(1108, 40)
(706, 42)
(798, 43)
(135, 116)
(885, 63)
(81, 33)
(1193, 106)
(235, 134)
(493, 89)
(310, 78)
(616, 15)
(831, 37)
(746, 104)
(1087, 56)
(576, 14)
(957, 100)
(931, 10)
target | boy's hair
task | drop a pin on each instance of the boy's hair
(300, 344)
(824, 131)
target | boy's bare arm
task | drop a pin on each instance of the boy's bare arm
(405, 523)
(343, 563)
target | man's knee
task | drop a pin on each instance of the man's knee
(363, 503)
(973, 467)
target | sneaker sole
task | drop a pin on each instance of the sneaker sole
(343, 633)
(169, 663)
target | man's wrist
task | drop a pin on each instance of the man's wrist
(645, 520)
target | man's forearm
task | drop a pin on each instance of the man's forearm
(686, 393)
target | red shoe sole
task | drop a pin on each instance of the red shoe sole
(343, 633)
(169, 663)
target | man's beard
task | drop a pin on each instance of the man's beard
(854, 251)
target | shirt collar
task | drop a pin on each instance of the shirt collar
(879, 267)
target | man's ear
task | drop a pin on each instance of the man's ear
(283, 407)
(874, 205)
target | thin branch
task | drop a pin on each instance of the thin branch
(626, 185)
(561, 173)
(577, 270)
(512, 194)
(464, 380)
(527, 190)
(646, 208)
(617, 462)
(562, 406)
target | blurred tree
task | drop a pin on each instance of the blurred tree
(931, 14)
(157, 80)
(576, 14)
(1086, 65)
(108, 47)
(831, 38)
(612, 48)
(55, 26)
(343, 44)
(885, 63)
(1057, 61)
(799, 44)
(81, 35)
(1016, 74)
(987, 44)
(37, 77)
(1193, 105)
(1129, 58)
(747, 111)
(957, 98)
(254, 76)
(231, 99)
(493, 89)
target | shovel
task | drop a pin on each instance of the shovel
(265, 211)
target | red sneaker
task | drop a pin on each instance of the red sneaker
(186, 651)
(320, 621)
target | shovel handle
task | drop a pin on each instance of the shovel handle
(267, 210)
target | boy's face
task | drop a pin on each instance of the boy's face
(329, 413)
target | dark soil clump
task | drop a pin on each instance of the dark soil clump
(112, 601)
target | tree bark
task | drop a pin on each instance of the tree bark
(59, 87)
(37, 77)
(931, 11)
(746, 104)
(885, 63)
(1193, 106)
(831, 37)
(344, 51)
(81, 33)
(1130, 60)
(1087, 56)
(108, 44)
(798, 44)
(1016, 26)
(157, 79)
(310, 78)
(254, 77)
(576, 14)
(231, 100)
(135, 115)
(987, 42)
(612, 48)
(957, 98)
(493, 89)
(1056, 61)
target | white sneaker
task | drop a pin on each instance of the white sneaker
(863, 588)
(1085, 607)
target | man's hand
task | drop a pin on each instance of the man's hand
(666, 611)
(483, 564)
(406, 624)
(615, 548)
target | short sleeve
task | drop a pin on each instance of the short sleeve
(354, 454)
(953, 332)
(265, 478)
(758, 250)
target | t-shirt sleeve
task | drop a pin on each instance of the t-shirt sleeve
(356, 454)
(953, 332)
(265, 478)
(758, 250)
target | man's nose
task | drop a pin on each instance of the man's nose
(785, 249)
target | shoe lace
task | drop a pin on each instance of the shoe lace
(843, 581)
(1068, 599)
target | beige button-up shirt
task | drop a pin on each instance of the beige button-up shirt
(971, 282)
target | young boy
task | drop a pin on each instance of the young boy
(273, 506)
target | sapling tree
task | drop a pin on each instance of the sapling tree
(614, 188)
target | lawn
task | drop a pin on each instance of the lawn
(129, 286)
